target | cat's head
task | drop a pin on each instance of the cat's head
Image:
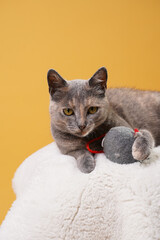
(78, 106)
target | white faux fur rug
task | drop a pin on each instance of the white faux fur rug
(56, 201)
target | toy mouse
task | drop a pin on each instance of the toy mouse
(117, 145)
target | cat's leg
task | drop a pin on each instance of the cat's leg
(76, 147)
(143, 145)
(85, 160)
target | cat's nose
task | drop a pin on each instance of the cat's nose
(81, 127)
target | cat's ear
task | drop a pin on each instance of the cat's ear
(99, 78)
(55, 81)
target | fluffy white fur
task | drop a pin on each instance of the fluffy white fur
(56, 201)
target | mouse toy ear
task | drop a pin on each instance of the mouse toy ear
(55, 81)
(99, 78)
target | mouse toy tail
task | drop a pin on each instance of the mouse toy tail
(94, 140)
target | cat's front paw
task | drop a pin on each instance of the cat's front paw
(142, 145)
(86, 163)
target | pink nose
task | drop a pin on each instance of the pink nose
(81, 127)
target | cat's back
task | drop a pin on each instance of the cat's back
(134, 100)
(141, 109)
(129, 95)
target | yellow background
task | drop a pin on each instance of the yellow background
(75, 38)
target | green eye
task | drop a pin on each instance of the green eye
(92, 110)
(68, 111)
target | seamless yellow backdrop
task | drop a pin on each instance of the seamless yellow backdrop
(75, 38)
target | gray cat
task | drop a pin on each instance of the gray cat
(82, 110)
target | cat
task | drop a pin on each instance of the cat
(82, 110)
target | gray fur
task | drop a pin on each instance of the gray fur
(116, 107)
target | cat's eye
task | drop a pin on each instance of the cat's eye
(92, 110)
(68, 111)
